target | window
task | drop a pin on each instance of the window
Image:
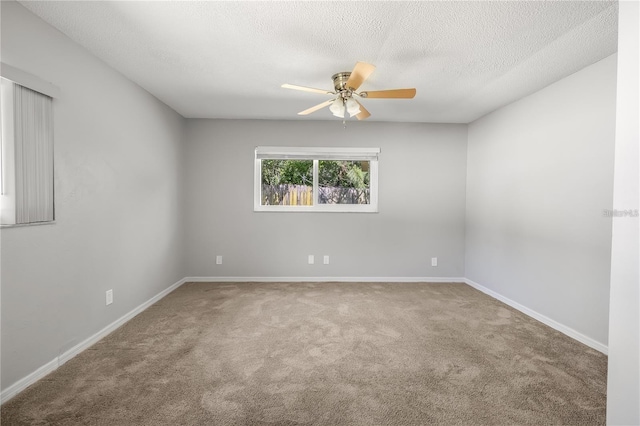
(26, 155)
(316, 179)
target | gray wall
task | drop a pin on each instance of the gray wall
(540, 174)
(623, 390)
(421, 193)
(118, 169)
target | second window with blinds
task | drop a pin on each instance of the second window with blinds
(316, 179)
(26, 156)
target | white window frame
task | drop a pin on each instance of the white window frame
(317, 154)
(7, 168)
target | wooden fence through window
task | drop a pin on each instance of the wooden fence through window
(302, 195)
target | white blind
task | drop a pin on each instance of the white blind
(33, 127)
(308, 153)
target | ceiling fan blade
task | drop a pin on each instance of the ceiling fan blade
(360, 73)
(306, 89)
(317, 107)
(363, 112)
(394, 93)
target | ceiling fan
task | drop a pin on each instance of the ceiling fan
(346, 84)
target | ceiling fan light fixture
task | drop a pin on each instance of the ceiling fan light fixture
(337, 108)
(353, 108)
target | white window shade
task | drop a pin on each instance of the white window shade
(308, 153)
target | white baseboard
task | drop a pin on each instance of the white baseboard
(55, 363)
(328, 279)
(542, 318)
(28, 380)
(66, 356)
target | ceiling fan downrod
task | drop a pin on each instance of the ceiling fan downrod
(340, 84)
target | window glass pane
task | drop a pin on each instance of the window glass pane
(287, 182)
(343, 182)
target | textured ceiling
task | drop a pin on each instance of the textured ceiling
(228, 59)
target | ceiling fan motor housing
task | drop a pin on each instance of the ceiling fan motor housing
(340, 80)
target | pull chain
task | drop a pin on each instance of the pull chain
(344, 116)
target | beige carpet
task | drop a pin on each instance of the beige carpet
(324, 354)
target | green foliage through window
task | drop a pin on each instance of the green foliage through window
(343, 182)
(287, 182)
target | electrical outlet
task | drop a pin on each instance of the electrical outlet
(326, 259)
(311, 259)
(434, 261)
(218, 260)
(109, 297)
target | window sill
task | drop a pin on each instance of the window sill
(309, 209)
(22, 225)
